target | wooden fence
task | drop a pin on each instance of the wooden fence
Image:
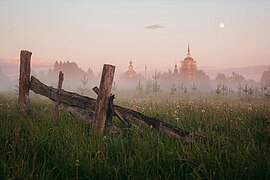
(98, 111)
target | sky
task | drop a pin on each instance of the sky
(152, 32)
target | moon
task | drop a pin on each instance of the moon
(221, 25)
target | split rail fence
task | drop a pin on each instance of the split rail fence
(98, 112)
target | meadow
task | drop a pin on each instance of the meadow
(236, 144)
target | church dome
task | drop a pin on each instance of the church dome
(189, 59)
(131, 74)
(188, 66)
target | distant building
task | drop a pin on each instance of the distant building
(175, 71)
(188, 67)
(130, 75)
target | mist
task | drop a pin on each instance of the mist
(143, 84)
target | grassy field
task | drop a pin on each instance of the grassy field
(237, 143)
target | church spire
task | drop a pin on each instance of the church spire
(188, 54)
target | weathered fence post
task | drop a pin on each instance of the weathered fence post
(102, 106)
(24, 81)
(60, 83)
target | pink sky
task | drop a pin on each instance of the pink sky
(152, 33)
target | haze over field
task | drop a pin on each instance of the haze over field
(222, 35)
(134, 89)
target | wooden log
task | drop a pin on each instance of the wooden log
(65, 97)
(137, 117)
(102, 105)
(83, 114)
(115, 111)
(25, 61)
(75, 100)
(57, 104)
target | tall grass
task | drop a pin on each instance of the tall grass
(237, 145)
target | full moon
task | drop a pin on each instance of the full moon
(221, 25)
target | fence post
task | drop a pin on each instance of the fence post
(60, 83)
(24, 81)
(102, 106)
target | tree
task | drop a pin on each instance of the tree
(84, 82)
(90, 73)
(173, 89)
(265, 79)
(194, 87)
(220, 78)
(139, 87)
(267, 89)
(218, 90)
(247, 90)
(156, 86)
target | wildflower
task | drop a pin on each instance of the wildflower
(175, 111)
(177, 119)
(203, 111)
(105, 137)
(167, 113)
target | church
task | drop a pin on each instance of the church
(130, 74)
(188, 67)
(188, 74)
(130, 78)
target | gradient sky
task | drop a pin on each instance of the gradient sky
(96, 32)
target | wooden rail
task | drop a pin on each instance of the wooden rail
(88, 106)
(93, 111)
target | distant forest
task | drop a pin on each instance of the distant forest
(75, 78)
(73, 75)
(4, 80)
